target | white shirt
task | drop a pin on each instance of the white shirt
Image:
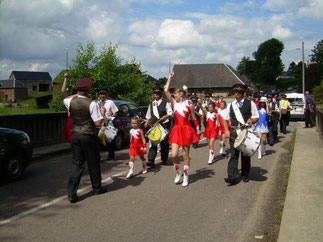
(169, 110)
(110, 107)
(271, 104)
(94, 108)
(254, 111)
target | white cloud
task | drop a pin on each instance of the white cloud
(280, 5)
(230, 7)
(313, 10)
(282, 33)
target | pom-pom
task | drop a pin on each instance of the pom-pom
(185, 88)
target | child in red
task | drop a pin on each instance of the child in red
(211, 130)
(137, 146)
(222, 113)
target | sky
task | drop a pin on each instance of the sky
(34, 34)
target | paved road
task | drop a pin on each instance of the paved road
(148, 207)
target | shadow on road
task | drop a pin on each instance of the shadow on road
(201, 174)
(257, 174)
(121, 182)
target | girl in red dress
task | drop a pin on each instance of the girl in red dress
(137, 146)
(211, 129)
(223, 112)
(182, 134)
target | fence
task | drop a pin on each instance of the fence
(319, 120)
(42, 129)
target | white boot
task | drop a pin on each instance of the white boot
(263, 151)
(178, 174)
(185, 177)
(211, 157)
(130, 172)
(144, 167)
(259, 152)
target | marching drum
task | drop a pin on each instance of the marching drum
(247, 142)
(156, 134)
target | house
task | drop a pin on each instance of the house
(216, 79)
(12, 90)
(33, 80)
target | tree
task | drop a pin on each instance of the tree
(291, 69)
(105, 68)
(268, 62)
(242, 66)
(317, 56)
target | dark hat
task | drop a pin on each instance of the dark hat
(269, 95)
(239, 87)
(207, 95)
(284, 95)
(83, 84)
(102, 90)
(193, 98)
(158, 89)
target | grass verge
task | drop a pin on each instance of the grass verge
(287, 173)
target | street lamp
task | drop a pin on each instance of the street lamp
(303, 67)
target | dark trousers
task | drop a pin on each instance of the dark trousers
(233, 162)
(272, 136)
(308, 118)
(111, 148)
(164, 150)
(283, 123)
(84, 147)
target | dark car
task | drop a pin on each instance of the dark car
(15, 153)
(123, 120)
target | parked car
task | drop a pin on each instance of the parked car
(123, 120)
(297, 101)
(15, 153)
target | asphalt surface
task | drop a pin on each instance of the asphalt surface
(147, 207)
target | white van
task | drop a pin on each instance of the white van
(297, 101)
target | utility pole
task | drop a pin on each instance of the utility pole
(303, 67)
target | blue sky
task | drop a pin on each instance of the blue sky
(35, 34)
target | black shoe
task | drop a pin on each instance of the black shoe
(98, 191)
(245, 178)
(230, 180)
(73, 199)
(164, 163)
(195, 146)
(271, 144)
(151, 164)
(111, 158)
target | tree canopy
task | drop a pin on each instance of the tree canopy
(105, 68)
(317, 56)
(267, 65)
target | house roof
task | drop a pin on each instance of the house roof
(11, 84)
(55, 80)
(31, 75)
(205, 76)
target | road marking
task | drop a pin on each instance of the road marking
(61, 198)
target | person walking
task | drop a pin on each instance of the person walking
(110, 111)
(86, 116)
(273, 117)
(309, 110)
(241, 111)
(182, 133)
(284, 108)
(262, 126)
(158, 110)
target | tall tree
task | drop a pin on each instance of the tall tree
(268, 62)
(106, 69)
(317, 56)
(242, 66)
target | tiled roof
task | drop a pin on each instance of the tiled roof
(205, 76)
(11, 84)
(31, 75)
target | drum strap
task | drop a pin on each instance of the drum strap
(237, 113)
(155, 110)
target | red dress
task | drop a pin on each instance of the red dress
(67, 134)
(182, 132)
(136, 145)
(211, 130)
(221, 127)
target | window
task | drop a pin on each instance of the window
(34, 88)
(135, 111)
(123, 111)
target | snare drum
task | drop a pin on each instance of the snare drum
(247, 142)
(156, 134)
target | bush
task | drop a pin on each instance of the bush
(317, 92)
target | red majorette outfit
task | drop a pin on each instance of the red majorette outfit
(222, 113)
(211, 130)
(136, 145)
(182, 132)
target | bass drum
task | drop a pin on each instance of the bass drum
(247, 142)
(110, 133)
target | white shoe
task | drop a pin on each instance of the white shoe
(185, 180)
(144, 166)
(178, 177)
(185, 177)
(211, 157)
(259, 154)
(130, 174)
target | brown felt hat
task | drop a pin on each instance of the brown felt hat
(83, 84)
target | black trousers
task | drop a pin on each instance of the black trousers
(164, 150)
(112, 148)
(308, 118)
(233, 162)
(273, 126)
(84, 147)
(283, 123)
